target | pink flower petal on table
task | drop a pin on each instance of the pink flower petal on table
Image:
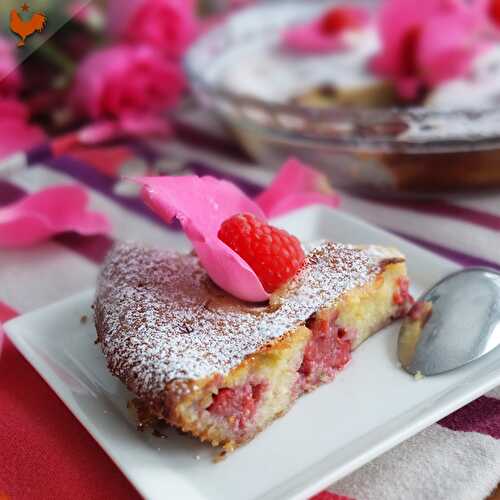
(295, 186)
(102, 131)
(46, 213)
(98, 132)
(202, 204)
(326, 33)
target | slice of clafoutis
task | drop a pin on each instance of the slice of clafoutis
(222, 369)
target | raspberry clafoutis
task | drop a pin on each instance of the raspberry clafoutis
(222, 368)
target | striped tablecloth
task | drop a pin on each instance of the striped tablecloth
(46, 454)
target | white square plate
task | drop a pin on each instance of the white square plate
(371, 406)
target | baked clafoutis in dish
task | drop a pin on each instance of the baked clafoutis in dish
(437, 53)
(209, 360)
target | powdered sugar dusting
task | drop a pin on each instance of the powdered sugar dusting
(160, 318)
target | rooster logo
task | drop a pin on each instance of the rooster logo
(23, 29)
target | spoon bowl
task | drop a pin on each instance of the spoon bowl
(452, 324)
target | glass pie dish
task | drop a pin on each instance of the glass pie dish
(386, 150)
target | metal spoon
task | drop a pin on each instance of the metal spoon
(454, 323)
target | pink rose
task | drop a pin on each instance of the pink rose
(128, 86)
(10, 80)
(168, 25)
(16, 134)
(425, 43)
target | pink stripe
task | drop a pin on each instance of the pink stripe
(482, 415)
(326, 495)
(6, 313)
(445, 209)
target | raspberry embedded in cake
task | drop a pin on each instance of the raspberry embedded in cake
(238, 405)
(326, 353)
(221, 369)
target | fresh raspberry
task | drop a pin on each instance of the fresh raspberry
(272, 253)
(337, 20)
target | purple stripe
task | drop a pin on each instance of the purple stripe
(145, 151)
(482, 415)
(9, 193)
(93, 248)
(39, 154)
(459, 257)
(444, 209)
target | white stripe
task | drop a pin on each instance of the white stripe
(39, 275)
(126, 225)
(489, 203)
(437, 464)
(12, 164)
(450, 233)
(495, 393)
(178, 151)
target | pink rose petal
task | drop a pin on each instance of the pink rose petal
(41, 215)
(312, 37)
(487, 13)
(202, 204)
(426, 43)
(295, 186)
(448, 53)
